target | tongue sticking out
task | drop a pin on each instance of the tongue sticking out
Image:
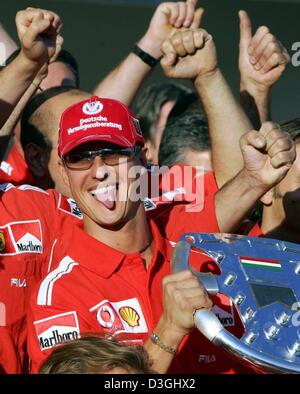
(106, 196)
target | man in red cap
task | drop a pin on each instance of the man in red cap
(113, 276)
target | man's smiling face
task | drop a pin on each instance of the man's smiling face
(103, 191)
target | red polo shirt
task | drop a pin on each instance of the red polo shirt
(9, 358)
(14, 169)
(28, 218)
(94, 288)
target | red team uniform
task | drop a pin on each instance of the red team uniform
(86, 286)
(14, 169)
(23, 260)
(91, 287)
(27, 222)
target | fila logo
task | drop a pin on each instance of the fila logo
(123, 316)
(206, 358)
(22, 237)
(57, 329)
(18, 282)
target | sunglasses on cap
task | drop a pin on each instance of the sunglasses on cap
(111, 157)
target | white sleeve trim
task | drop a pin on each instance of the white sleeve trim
(46, 288)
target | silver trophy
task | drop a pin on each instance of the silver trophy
(262, 278)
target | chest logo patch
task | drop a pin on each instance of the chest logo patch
(57, 329)
(119, 317)
(130, 316)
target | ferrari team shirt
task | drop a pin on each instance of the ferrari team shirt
(92, 288)
(14, 169)
(28, 218)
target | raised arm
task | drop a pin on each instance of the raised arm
(182, 296)
(262, 61)
(267, 155)
(38, 31)
(191, 54)
(124, 81)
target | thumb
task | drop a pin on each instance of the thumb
(167, 62)
(245, 31)
(59, 43)
(197, 18)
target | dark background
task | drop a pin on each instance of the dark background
(100, 34)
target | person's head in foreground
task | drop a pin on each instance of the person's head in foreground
(100, 146)
(96, 355)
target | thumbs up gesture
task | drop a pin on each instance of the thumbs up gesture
(262, 58)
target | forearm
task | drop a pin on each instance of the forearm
(161, 360)
(125, 80)
(227, 123)
(256, 104)
(235, 199)
(14, 81)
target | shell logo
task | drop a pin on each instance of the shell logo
(130, 315)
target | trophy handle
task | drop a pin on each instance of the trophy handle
(210, 326)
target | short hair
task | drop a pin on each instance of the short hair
(63, 56)
(31, 131)
(148, 105)
(190, 104)
(292, 127)
(92, 354)
(187, 131)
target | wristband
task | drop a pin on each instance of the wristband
(144, 56)
(155, 339)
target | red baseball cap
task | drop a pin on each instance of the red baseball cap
(99, 119)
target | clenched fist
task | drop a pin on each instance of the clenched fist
(39, 34)
(183, 295)
(167, 19)
(189, 54)
(268, 154)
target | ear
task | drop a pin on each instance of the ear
(37, 160)
(148, 151)
(267, 198)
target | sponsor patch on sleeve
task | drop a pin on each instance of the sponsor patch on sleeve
(68, 205)
(57, 329)
(21, 237)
